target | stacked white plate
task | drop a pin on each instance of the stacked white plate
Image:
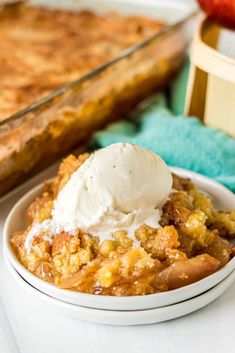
(134, 310)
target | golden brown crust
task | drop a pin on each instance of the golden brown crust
(41, 49)
(184, 250)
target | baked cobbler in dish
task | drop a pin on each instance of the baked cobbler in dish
(116, 246)
(52, 47)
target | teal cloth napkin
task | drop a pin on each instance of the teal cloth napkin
(179, 140)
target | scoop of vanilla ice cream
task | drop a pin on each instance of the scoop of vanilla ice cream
(118, 187)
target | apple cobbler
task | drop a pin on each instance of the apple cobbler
(52, 47)
(190, 244)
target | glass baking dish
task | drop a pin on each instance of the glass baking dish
(46, 130)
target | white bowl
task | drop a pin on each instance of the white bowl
(111, 317)
(222, 197)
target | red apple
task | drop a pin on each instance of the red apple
(222, 11)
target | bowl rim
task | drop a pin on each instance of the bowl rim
(126, 317)
(138, 302)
